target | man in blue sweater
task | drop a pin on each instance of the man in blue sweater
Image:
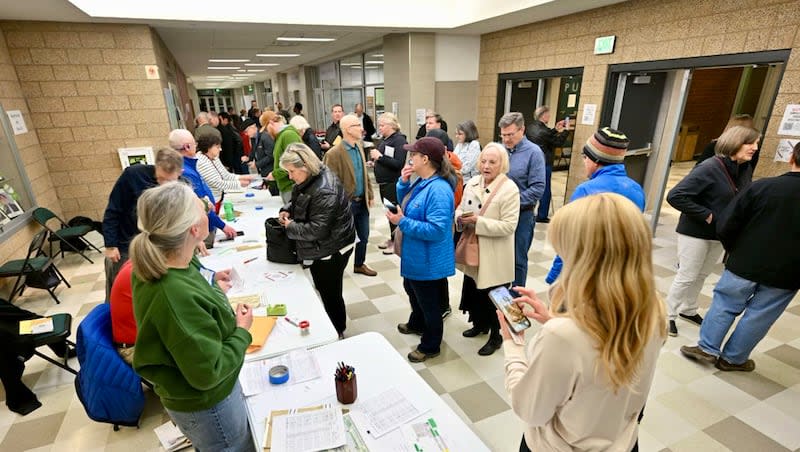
(119, 220)
(182, 141)
(603, 157)
(526, 169)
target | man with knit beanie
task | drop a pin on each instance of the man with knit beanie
(603, 156)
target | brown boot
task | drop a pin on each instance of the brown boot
(364, 270)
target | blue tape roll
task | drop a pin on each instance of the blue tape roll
(259, 207)
(249, 195)
(279, 375)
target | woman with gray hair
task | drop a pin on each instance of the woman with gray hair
(190, 344)
(389, 159)
(304, 129)
(467, 149)
(701, 197)
(319, 220)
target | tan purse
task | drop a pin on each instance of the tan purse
(467, 249)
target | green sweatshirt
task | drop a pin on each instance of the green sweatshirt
(188, 344)
(285, 137)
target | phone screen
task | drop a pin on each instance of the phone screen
(389, 205)
(503, 299)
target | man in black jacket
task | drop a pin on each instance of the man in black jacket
(548, 139)
(232, 150)
(366, 122)
(333, 134)
(760, 230)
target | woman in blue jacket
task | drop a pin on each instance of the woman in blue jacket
(425, 221)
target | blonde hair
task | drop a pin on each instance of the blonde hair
(299, 123)
(501, 151)
(391, 120)
(607, 286)
(165, 214)
(733, 138)
(298, 155)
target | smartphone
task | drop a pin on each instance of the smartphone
(240, 233)
(516, 319)
(389, 205)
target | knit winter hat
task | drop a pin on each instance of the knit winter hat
(607, 146)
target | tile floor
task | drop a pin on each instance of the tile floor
(691, 407)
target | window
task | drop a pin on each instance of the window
(16, 195)
(353, 79)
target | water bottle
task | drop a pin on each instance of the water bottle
(229, 215)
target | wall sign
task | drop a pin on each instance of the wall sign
(790, 123)
(17, 122)
(604, 45)
(589, 111)
(152, 71)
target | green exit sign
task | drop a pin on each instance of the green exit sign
(604, 45)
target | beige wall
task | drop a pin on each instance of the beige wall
(12, 98)
(457, 102)
(408, 76)
(88, 94)
(646, 30)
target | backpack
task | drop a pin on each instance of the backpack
(109, 389)
(79, 244)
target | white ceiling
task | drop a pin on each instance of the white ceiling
(196, 31)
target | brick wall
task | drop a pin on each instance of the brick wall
(646, 30)
(88, 94)
(12, 98)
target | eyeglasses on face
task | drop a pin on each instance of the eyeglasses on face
(510, 134)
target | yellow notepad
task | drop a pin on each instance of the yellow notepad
(36, 326)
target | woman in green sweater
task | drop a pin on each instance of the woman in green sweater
(190, 344)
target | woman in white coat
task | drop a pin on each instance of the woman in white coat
(490, 206)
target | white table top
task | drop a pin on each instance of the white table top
(297, 293)
(379, 367)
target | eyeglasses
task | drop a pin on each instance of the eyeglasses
(509, 135)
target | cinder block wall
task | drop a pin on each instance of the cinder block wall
(646, 30)
(88, 95)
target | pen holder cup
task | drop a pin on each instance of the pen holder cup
(347, 391)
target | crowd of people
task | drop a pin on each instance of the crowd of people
(454, 206)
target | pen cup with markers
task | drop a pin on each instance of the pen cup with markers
(346, 385)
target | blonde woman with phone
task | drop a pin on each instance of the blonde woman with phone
(584, 380)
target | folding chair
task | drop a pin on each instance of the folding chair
(65, 234)
(37, 270)
(62, 328)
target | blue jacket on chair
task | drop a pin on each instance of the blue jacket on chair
(107, 386)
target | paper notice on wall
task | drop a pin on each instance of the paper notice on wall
(790, 124)
(587, 118)
(572, 99)
(152, 71)
(17, 122)
(420, 116)
(784, 150)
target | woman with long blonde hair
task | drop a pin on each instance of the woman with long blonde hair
(588, 370)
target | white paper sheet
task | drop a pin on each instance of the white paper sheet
(309, 431)
(388, 151)
(385, 412)
(302, 364)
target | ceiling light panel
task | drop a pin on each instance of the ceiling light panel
(303, 39)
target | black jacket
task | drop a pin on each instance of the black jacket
(231, 153)
(119, 219)
(760, 230)
(263, 145)
(547, 139)
(369, 127)
(322, 222)
(311, 141)
(332, 132)
(707, 189)
(387, 169)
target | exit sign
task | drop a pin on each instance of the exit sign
(604, 45)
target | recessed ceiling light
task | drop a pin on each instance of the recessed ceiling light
(224, 68)
(228, 60)
(242, 70)
(262, 64)
(278, 55)
(302, 39)
(377, 55)
(256, 70)
(373, 62)
(243, 75)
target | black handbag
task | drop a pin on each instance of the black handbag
(280, 248)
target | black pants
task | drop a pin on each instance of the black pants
(327, 275)
(426, 314)
(389, 191)
(482, 311)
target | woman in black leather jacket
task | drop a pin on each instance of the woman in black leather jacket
(319, 220)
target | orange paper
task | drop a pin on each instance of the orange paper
(260, 330)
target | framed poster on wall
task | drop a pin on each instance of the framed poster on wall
(136, 156)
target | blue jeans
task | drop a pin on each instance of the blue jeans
(222, 427)
(426, 312)
(544, 204)
(361, 219)
(523, 237)
(762, 305)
